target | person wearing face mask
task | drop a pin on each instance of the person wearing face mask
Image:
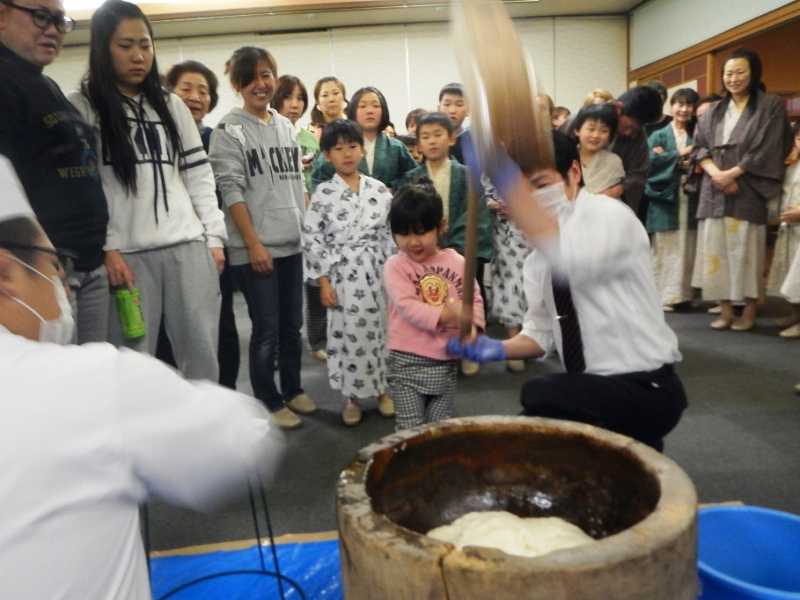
(53, 149)
(91, 432)
(593, 299)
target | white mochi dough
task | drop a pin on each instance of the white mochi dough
(511, 534)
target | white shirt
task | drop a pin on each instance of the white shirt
(730, 120)
(87, 434)
(604, 251)
(369, 151)
(441, 182)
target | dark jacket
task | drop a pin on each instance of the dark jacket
(53, 151)
(758, 144)
(392, 162)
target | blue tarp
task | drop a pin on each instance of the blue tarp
(313, 565)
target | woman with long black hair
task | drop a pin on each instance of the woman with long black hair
(166, 232)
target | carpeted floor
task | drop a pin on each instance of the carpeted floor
(739, 439)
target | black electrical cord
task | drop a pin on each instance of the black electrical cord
(260, 572)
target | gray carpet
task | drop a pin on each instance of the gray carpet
(739, 439)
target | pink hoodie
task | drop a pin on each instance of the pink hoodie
(416, 293)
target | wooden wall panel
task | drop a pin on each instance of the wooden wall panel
(779, 50)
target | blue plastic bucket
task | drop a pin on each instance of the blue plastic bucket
(747, 552)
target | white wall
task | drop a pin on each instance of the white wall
(408, 63)
(663, 27)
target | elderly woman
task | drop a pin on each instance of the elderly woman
(741, 144)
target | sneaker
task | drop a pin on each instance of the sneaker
(791, 332)
(470, 368)
(515, 366)
(715, 310)
(321, 355)
(385, 405)
(286, 419)
(351, 414)
(302, 404)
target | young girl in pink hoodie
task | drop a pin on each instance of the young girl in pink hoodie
(424, 286)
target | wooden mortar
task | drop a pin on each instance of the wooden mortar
(638, 504)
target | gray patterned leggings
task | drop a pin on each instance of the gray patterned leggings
(423, 389)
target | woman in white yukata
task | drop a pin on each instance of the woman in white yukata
(784, 275)
(741, 144)
(346, 240)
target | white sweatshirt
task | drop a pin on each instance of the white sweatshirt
(175, 200)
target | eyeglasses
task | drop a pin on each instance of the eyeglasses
(66, 258)
(44, 18)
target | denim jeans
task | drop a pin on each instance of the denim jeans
(275, 305)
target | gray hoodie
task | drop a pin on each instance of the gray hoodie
(259, 163)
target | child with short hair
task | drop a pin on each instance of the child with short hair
(411, 144)
(346, 241)
(595, 127)
(412, 120)
(424, 285)
(453, 104)
(436, 135)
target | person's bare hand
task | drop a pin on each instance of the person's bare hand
(731, 189)
(218, 254)
(119, 273)
(327, 294)
(723, 179)
(658, 150)
(260, 259)
(791, 216)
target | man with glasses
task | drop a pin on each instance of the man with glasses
(54, 152)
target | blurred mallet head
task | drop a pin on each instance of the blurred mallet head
(501, 87)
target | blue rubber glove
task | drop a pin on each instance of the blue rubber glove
(503, 172)
(484, 349)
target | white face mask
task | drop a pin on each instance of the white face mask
(552, 198)
(57, 331)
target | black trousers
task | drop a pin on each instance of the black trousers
(645, 405)
(228, 354)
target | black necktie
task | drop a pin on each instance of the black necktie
(571, 342)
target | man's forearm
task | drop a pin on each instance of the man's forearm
(521, 346)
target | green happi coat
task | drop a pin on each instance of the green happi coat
(664, 184)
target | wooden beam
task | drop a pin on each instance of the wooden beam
(775, 18)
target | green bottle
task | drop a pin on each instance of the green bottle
(129, 308)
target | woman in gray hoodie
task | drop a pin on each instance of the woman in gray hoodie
(259, 174)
